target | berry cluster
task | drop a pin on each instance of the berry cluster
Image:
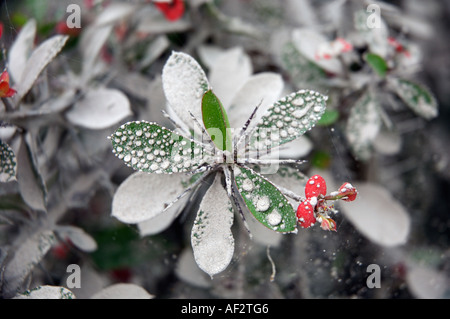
(314, 208)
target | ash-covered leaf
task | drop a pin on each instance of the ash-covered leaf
(38, 60)
(417, 97)
(211, 237)
(184, 83)
(24, 257)
(92, 40)
(149, 147)
(123, 291)
(265, 201)
(46, 292)
(261, 89)
(187, 270)
(229, 73)
(378, 215)
(363, 126)
(99, 109)
(113, 13)
(7, 163)
(307, 42)
(143, 197)
(31, 184)
(288, 118)
(78, 237)
(21, 49)
(302, 71)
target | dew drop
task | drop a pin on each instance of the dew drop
(247, 185)
(262, 203)
(298, 101)
(274, 218)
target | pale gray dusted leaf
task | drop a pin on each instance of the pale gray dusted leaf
(160, 222)
(21, 49)
(298, 148)
(151, 148)
(144, 196)
(47, 292)
(31, 184)
(7, 163)
(154, 50)
(363, 125)
(123, 291)
(378, 215)
(288, 118)
(416, 96)
(262, 89)
(388, 142)
(302, 71)
(229, 73)
(307, 42)
(25, 256)
(114, 13)
(92, 40)
(426, 282)
(209, 54)
(184, 83)
(153, 21)
(100, 108)
(188, 271)
(78, 237)
(211, 238)
(38, 60)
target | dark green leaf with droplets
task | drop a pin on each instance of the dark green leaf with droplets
(148, 147)
(216, 121)
(266, 203)
(7, 163)
(288, 118)
(417, 97)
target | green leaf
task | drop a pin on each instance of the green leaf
(149, 147)
(328, 118)
(216, 122)
(288, 119)
(266, 203)
(377, 63)
(321, 159)
(7, 163)
(417, 97)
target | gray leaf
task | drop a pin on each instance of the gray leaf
(26, 256)
(31, 185)
(211, 237)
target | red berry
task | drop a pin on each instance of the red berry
(5, 90)
(305, 214)
(349, 191)
(173, 10)
(315, 186)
